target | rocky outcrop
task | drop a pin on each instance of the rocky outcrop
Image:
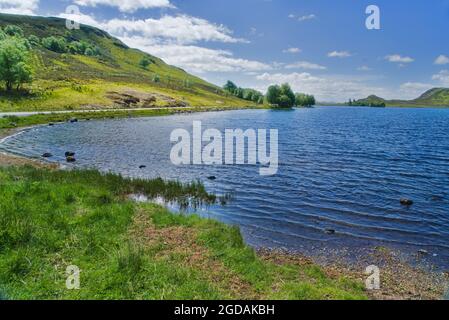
(136, 99)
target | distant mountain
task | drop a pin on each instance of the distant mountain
(436, 97)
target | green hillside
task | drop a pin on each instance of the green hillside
(436, 97)
(95, 70)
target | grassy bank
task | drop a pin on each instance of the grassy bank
(11, 122)
(52, 219)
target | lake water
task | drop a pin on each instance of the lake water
(340, 168)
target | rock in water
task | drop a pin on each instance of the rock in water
(47, 155)
(330, 231)
(212, 178)
(406, 202)
(73, 120)
(70, 159)
(69, 154)
(142, 167)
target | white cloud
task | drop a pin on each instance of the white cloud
(181, 29)
(25, 7)
(339, 54)
(292, 50)
(307, 17)
(442, 59)
(196, 59)
(399, 58)
(302, 18)
(305, 65)
(443, 77)
(127, 5)
(412, 90)
(172, 39)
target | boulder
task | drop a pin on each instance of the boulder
(142, 167)
(406, 202)
(69, 154)
(70, 159)
(47, 155)
(212, 178)
(330, 231)
(73, 120)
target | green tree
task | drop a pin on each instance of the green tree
(230, 87)
(33, 40)
(289, 100)
(56, 44)
(144, 62)
(13, 31)
(3, 35)
(273, 94)
(14, 70)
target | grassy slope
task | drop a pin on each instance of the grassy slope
(52, 219)
(66, 82)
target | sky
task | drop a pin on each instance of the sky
(320, 47)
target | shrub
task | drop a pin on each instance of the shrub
(56, 44)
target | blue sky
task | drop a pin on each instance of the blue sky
(320, 47)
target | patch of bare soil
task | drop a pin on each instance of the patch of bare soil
(182, 242)
(137, 99)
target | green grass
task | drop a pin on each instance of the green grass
(52, 219)
(11, 122)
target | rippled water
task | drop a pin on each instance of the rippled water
(340, 168)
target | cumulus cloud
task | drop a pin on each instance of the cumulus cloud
(339, 54)
(173, 39)
(127, 5)
(292, 50)
(181, 29)
(443, 77)
(399, 59)
(442, 59)
(25, 7)
(305, 65)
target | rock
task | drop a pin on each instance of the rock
(47, 155)
(212, 178)
(423, 252)
(69, 154)
(51, 124)
(406, 202)
(142, 167)
(330, 231)
(70, 159)
(73, 120)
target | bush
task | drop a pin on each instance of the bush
(13, 31)
(56, 44)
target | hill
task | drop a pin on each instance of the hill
(88, 68)
(436, 97)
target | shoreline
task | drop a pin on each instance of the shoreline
(400, 279)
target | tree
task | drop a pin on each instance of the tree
(56, 44)
(144, 62)
(34, 40)
(289, 100)
(304, 100)
(13, 31)
(273, 94)
(14, 69)
(230, 87)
